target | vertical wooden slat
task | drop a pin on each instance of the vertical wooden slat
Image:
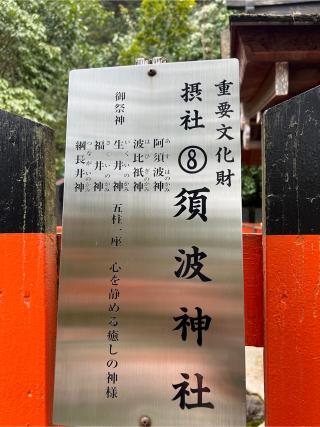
(27, 272)
(253, 291)
(292, 261)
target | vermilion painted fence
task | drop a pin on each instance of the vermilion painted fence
(28, 311)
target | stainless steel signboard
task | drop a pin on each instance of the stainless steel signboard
(151, 296)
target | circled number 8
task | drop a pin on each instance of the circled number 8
(192, 159)
(192, 163)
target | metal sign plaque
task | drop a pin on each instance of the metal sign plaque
(151, 296)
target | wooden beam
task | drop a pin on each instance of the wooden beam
(252, 74)
(281, 43)
(274, 89)
(303, 78)
(258, 45)
(248, 139)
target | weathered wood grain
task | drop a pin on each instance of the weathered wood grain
(291, 156)
(27, 178)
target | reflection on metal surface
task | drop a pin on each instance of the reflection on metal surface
(151, 269)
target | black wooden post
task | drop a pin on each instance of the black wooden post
(28, 273)
(291, 155)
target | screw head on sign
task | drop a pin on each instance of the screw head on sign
(145, 421)
(152, 72)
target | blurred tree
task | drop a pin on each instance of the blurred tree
(23, 102)
(208, 21)
(42, 40)
(251, 185)
(26, 60)
(77, 27)
(178, 30)
(162, 29)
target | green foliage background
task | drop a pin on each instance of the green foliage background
(42, 40)
(251, 185)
